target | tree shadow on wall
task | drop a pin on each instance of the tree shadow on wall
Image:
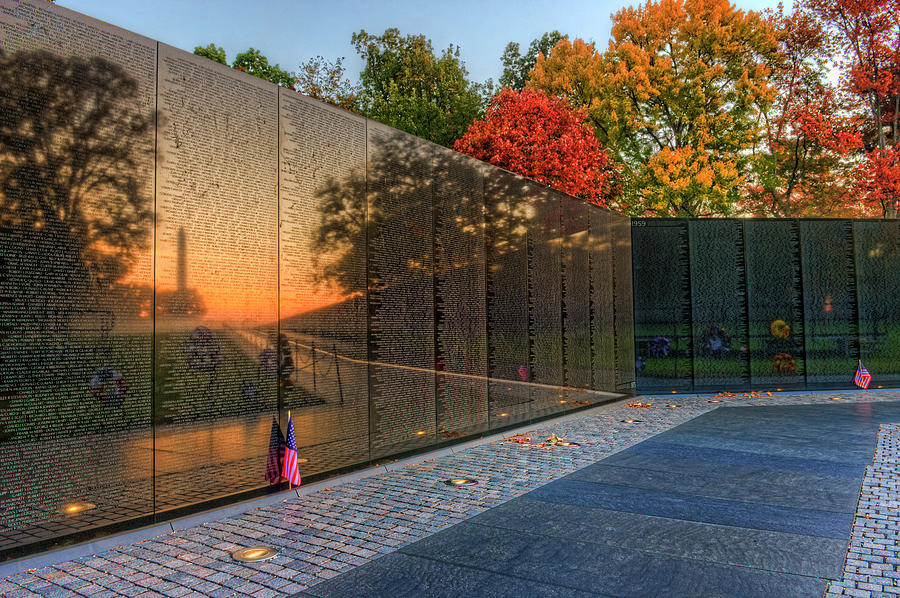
(71, 145)
(428, 210)
(75, 156)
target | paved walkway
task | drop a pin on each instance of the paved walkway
(331, 532)
(740, 502)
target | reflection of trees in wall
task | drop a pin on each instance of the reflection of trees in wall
(70, 195)
(74, 156)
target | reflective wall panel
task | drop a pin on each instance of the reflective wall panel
(401, 294)
(775, 292)
(216, 278)
(719, 305)
(321, 358)
(545, 286)
(878, 274)
(662, 305)
(506, 222)
(829, 302)
(603, 344)
(77, 101)
(576, 293)
(623, 320)
(459, 295)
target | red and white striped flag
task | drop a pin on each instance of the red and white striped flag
(289, 470)
(273, 458)
(863, 377)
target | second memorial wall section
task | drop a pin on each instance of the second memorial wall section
(731, 304)
(246, 251)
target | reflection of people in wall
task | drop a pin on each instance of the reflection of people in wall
(524, 374)
(286, 365)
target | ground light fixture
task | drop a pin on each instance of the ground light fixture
(836, 398)
(714, 401)
(254, 553)
(75, 508)
(673, 405)
(461, 482)
(566, 443)
(631, 421)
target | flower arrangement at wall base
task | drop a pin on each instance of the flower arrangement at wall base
(783, 363)
(779, 329)
(658, 347)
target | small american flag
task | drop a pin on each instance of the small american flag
(289, 470)
(273, 459)
(863, 377)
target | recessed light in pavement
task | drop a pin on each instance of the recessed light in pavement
(253, 554)
(461, 482)
(714, 401)
(631, 421)
(566, 443)
(673, 405)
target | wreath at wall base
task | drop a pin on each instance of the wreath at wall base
(783, 363)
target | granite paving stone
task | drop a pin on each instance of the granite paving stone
(761, 549)
(601, 559)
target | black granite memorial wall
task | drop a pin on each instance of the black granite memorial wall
(231, 251)
(769, 304)
(662, 305)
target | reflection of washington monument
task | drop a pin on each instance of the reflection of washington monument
(181, 275)
(182, 301)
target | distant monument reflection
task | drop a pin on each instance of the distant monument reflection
(182, 302)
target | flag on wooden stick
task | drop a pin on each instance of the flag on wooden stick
(289, 470)
(273, 459)
(863, 377)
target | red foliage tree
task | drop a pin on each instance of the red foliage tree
(546, 140)
(868, 32)
(803, 165)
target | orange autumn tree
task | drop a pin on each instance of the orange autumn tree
(544, 139)
(803, 165)
(675, 98)
(868, 33)
(574, 72)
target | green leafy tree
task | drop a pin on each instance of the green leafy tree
(211, 51)
(517, 68)
(254, 63)
(404, 85)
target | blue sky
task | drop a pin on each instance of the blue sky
(290, 32)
